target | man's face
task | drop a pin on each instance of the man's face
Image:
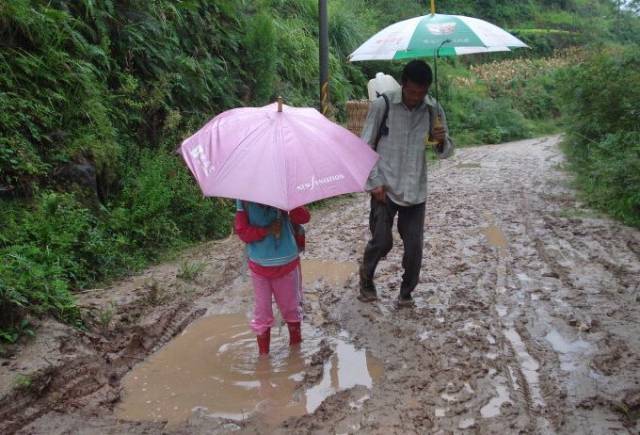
(413, 93)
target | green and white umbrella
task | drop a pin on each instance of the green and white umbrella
(435, 35)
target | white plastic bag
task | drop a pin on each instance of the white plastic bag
(381, 83)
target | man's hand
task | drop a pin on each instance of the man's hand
(379, 194)
(439, 134)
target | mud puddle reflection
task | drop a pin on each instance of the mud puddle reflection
(213, 366)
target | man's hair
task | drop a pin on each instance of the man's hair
(418, 72)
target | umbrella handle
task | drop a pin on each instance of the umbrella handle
(437, 123)
(279, 219)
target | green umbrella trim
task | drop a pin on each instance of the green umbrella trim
(411, 54)
(432, 30)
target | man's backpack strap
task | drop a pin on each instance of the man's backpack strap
(383, 130)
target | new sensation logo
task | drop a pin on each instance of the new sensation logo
(318, 182)
(200, 156)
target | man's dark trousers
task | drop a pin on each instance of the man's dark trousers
(410, 227)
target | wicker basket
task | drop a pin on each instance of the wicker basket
(356, 115)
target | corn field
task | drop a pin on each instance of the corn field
(508, 70)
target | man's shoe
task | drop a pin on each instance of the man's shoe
(367, 287)
(367, 296)
(405, 301)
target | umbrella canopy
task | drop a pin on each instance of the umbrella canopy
(450, 35)
(283, 158)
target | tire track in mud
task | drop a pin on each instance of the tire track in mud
(509, 335)
(512, 337)
(496, 283)
(535, 403)
(59, 388)
(521, 341)
(515, 355)
(572, 255)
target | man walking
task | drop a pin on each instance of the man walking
(397, 127)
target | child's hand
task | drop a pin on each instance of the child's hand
(275, 228)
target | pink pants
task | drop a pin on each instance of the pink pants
(288, 293)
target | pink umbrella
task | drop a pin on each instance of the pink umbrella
(277, 155)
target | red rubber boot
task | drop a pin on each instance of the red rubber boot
(264, 340)
(295, 334)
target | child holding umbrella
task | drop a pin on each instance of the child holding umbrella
(274, 262)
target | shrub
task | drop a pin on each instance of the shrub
(162, 204)
(42, 252)
(475, 118)
(600, 103)
(260, 43)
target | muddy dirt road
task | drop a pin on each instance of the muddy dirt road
(527, 320)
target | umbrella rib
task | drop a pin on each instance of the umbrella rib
(299, 141)
(221, 170)
(280, 133)
(347, 167)
(331, 152)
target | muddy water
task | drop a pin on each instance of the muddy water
(495, 237)
(333, 272)
(213, 366)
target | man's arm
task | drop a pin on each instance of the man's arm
(369, 135)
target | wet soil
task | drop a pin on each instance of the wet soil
(527, 320)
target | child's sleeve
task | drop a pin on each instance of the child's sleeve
(246, 231)
(300, 215)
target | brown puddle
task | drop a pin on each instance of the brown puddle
(333, 272)
(213, 366)
(495, 237)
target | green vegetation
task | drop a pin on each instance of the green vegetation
(96, 95)
(601, 102)
(105, 315)
(23, 382)
(189, 270)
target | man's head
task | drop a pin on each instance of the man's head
(416, 79)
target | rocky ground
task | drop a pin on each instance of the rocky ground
(526, 319)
